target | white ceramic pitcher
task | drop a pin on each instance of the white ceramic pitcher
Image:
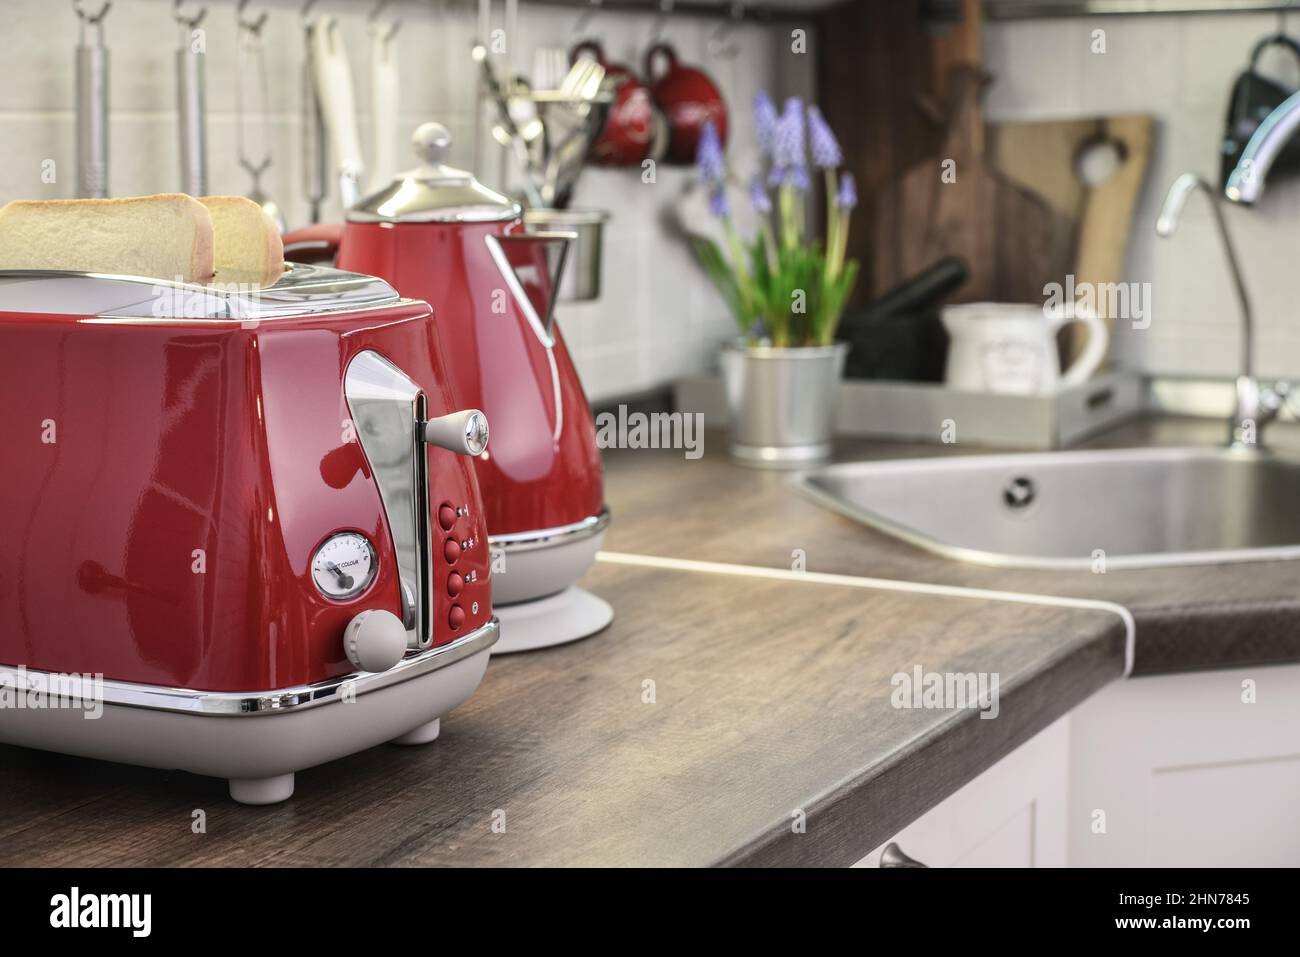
(1011, 347)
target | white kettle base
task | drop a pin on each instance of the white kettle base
(555, 620)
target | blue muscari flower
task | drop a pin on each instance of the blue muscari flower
(847, 197)
(799, 177)
(822, 144)
(708, 155)
(787, 150)
(758, 197)
(765, 121)
(718, 203)
(796, 176)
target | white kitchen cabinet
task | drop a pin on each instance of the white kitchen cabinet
(1012, 815)
(1172, 771)
(1187, 773)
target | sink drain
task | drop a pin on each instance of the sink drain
(1019, 492)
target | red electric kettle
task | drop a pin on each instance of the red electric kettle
(439, 235)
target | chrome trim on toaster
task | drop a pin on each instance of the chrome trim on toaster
(546, 537)
(286, 700)
(303, 290)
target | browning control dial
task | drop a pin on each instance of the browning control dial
(344, 566)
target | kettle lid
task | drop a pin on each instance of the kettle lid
(434, 192)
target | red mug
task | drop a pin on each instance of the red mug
(633, 128)
(688, 99)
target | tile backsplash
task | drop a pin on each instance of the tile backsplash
(1180, 70)
(658, 317)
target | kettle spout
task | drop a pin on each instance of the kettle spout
(532, 265)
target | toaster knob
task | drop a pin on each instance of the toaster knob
(374, 640)
(464, 432)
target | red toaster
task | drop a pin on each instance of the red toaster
(246, 526)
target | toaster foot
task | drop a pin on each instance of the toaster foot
(424, 734)
(262, 790)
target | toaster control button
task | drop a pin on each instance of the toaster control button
(374, 640)
(454, 584)
(451, 550)
(446, 517)
(456, 617)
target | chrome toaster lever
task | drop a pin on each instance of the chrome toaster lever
(463, 432)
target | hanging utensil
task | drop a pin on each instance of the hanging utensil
(315, 143)
(92, 104)
(384, 97)
(251, 59)
(338, 105)
(191, 102)
(483, 27)
(505, 129)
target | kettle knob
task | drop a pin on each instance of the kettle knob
(432, 142)
(374, 640)
(463, 432)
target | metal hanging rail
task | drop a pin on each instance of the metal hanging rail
(1030, 9)
(757, 12)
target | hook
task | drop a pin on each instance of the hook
(191, 23)
(305, 10)
(588, 15)
(661, 20)
(373, 17)
(98, 18)
(720, 42)
(252, 26)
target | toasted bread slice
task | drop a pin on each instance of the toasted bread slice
(168, 236)
(249, 248)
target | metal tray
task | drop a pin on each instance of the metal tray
(931, 412)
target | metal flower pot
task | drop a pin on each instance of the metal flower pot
(781, 403)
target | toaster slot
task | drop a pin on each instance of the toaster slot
(387, 409)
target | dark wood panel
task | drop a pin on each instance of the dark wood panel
(873, 67)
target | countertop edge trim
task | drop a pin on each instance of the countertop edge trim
(884, 584)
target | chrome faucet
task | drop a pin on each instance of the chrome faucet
(1256, 404)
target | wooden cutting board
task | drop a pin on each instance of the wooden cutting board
(1090, 225)
(959, 204)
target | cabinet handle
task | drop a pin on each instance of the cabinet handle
(893, 856)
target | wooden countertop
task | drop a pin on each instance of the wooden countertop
(771, 698)
(1188, 618)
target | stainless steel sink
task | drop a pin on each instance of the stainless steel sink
(1135, 507)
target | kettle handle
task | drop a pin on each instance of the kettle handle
(318, 243)
(542, 326)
